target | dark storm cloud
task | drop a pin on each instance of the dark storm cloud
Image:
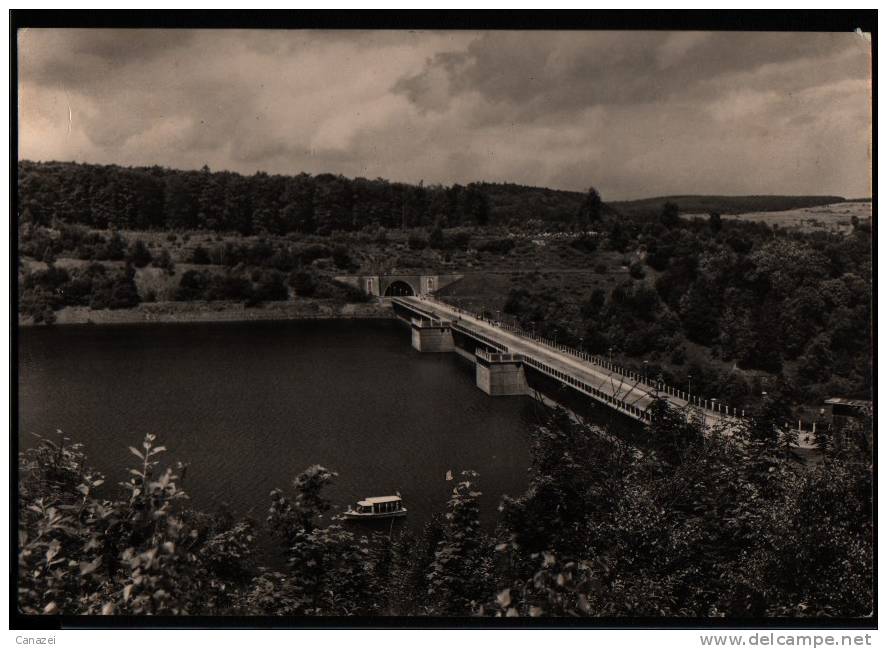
(87, 56)
(634, 113)
(431, 89)
(542, 71)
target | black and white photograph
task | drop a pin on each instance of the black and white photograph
(405, 320)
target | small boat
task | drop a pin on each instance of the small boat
(377, 507)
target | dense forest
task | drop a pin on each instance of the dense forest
(777, 309)
(794, 306)
(159, 198)
(699, 526)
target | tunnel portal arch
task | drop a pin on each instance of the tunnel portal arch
(399, 288)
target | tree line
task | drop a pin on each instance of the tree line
(695, 525)
(156, 198)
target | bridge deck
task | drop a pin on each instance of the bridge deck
(616, 388)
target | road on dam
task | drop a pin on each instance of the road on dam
(628, 389)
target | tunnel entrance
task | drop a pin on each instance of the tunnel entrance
(399, 289)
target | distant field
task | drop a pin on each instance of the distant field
(693, 204)
(835, 217)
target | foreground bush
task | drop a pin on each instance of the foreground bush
(690, 525)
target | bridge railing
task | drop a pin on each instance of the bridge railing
(433, 323)
(713, 406)
(498, 357)
(626, 406)
(412, 307)
(456, 326)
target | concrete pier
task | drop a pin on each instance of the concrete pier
(432, 336)
(500, 375)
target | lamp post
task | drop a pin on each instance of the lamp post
(689, 379)
(645, 371)
(610, 352)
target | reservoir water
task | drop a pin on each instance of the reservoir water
(248, 406)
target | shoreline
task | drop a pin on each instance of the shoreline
(188, 312)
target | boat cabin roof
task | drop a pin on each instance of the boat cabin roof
(369, 502)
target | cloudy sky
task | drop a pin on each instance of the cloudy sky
(633, 113)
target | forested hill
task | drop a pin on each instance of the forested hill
(159, 198)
